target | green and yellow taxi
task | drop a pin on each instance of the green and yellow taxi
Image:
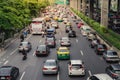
(63, 53)
(60, 20)
(55, 18)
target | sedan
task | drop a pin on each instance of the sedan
(100, 48)
(50, 42)
(65, 41)
(68, 28)
(111, 55)
(9, 73)
(101, 76)
(114, 71)
(25, 45)
(50, 66)
(72, 33)
(76, 67)
(94, 43)
(42, 50)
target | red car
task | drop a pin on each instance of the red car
(80, 24)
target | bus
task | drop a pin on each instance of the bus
(36, 26)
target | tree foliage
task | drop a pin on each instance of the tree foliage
(15, 14)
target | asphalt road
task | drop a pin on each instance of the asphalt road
(31, 69)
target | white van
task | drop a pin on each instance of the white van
(36, 26)
(85, 30)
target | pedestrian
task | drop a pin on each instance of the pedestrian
(22, 37)
(25, 33)
(24, 53)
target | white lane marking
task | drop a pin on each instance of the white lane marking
(76, 40)
(28, 37)
(13, 51)
(6, 62)
(40, 41)
(58, 76)
(34, 53)
(90, 73)
(81, 52)
(22, 75)
(4, 59)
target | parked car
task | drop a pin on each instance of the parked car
(114, 71)
(72, 33)
(65, 41)
(9, 73)
(42, 50)
(63, 53)
(100, 48)
(76, 67)
(111, 55)
(50, 66)
(94, 43)
(50, 42)
(101, 76)
(25, 45)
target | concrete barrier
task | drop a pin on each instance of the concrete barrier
(109, 46)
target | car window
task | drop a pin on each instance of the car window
(4, 71)
(25, 44)
(117, 71)
(77, 66)
(49, 39)
(112, 53)
(50, 64)
(41, 48)
(63, 50)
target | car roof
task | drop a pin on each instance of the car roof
(50, 60)
(24, 42)
(65, 38)
(116, 66)
(63, 48)
(76, 61)
(103, 76)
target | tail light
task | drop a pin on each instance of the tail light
(54, 68)
(43, 52)
(114, 75)
(99, 49)
(8, 77)
(44, 69)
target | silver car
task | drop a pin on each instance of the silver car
(111, 55)
(25, 45)
(65, 41)
(102, 76)
(50, 67)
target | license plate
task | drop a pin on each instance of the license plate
(2, 78)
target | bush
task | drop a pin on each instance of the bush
(107, 34)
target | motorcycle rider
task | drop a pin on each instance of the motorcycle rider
(24, 53)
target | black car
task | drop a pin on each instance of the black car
(72, 33)
(42, 50)
(50, 41)
(9, 73)
(100, 48)
(114, 71)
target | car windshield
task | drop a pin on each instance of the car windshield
(24, 44)
(42, 47)
(77, 66)
(63, 50)
(4, 71)
(112, 53)
(50, 63)
(117, 71)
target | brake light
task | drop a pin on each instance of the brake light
(44, 68)
(54, 68)
(99, 49)
(43, 52)
(114, 75)
(8, 77)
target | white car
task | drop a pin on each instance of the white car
(54, 24)
(102, 76)
(76, 68)
(85, 30)
(65, 20)
(65, 41)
